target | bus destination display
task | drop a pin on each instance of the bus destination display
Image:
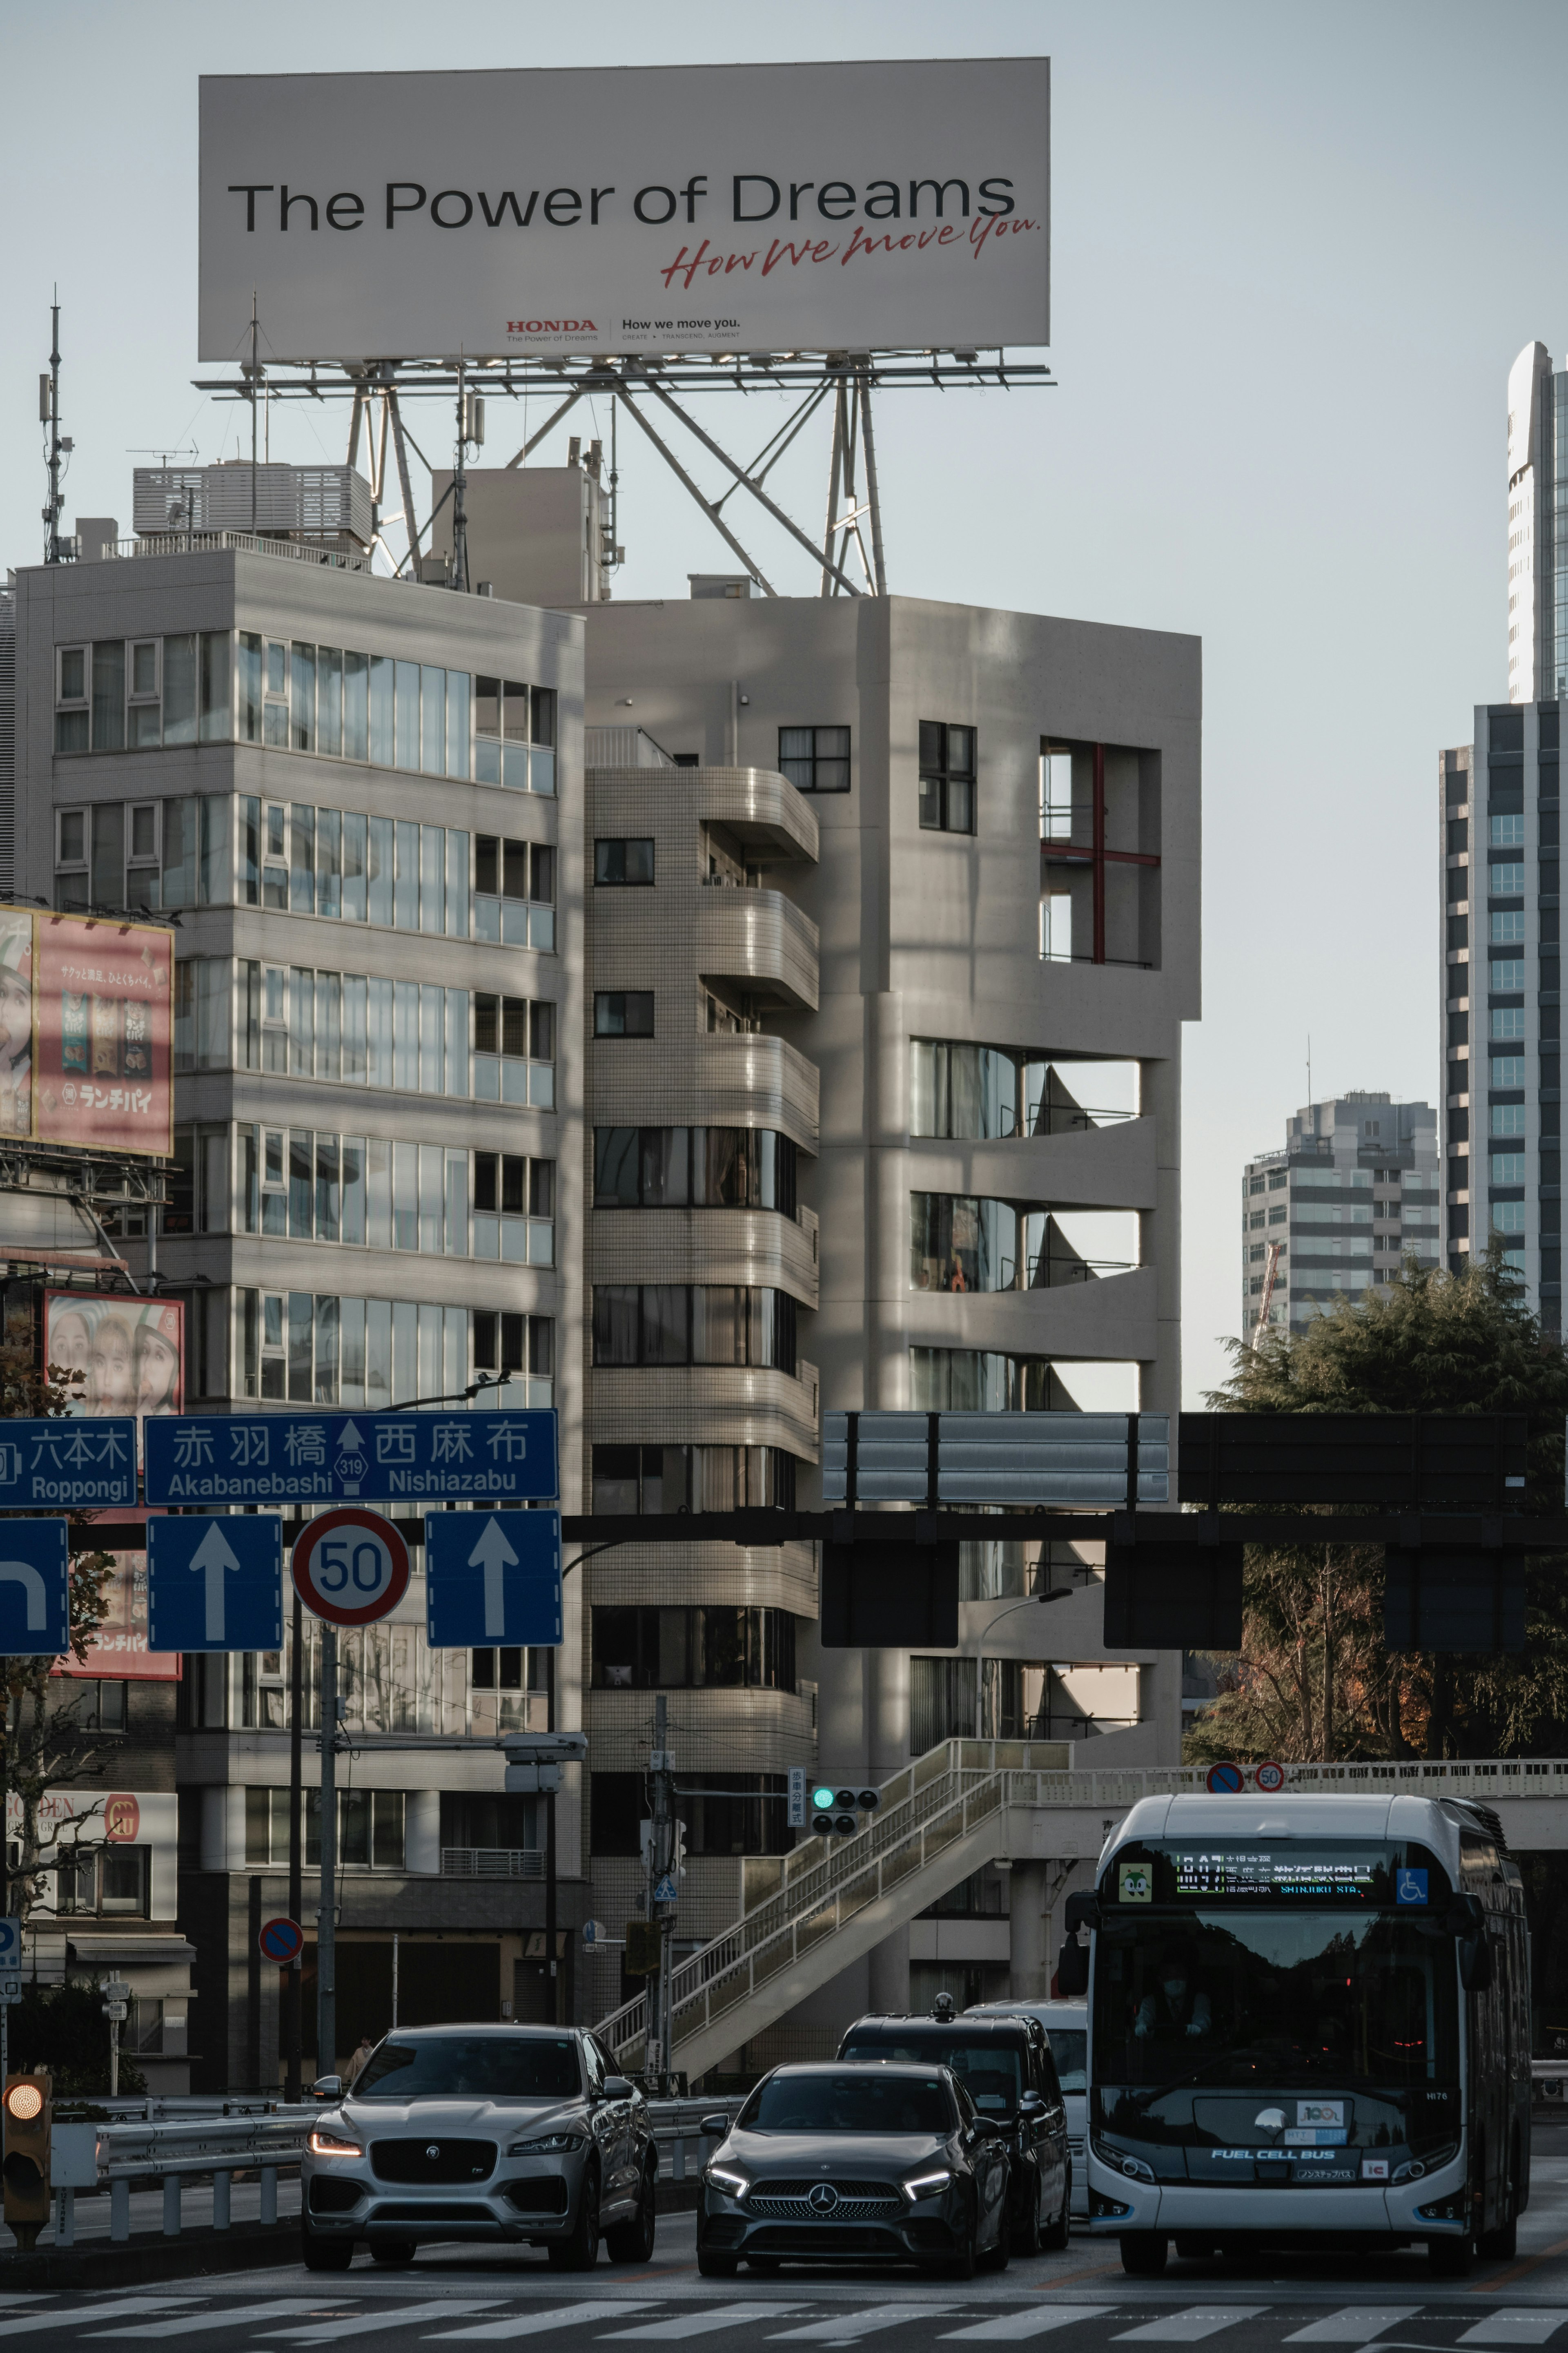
(1309, 1871)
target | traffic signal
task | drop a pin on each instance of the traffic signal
(26, 2171)
(836, 1812)
(677, 1855)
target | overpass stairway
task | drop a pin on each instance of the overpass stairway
(808, 1915)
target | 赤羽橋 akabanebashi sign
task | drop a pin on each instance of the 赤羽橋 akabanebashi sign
(308, 1457)
(873, 206)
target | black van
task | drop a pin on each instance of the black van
(1006, 2065)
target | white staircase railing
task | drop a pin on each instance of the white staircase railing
(798, 1904)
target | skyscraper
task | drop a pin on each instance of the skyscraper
(1353, 1188)
(1502, 970)
(1534, 393)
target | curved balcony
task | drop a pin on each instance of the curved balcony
(717, 1079)
(759, 941)
(761, 808)
(705, 1405)
(1114, 1317)
(762, 1576)
(755, 1247)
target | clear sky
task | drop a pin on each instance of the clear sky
(1295, 251)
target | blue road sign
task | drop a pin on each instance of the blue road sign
(319, 1458)
(1225, 1780)
(67, 1465)
(34, 1589)
(492, 1578)
(216, 1585)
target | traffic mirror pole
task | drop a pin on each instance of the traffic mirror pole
(326, 1917)
(293, 2021)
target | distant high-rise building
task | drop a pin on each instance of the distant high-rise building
(1352, 1189)
(1501, 982)
(1537, 462)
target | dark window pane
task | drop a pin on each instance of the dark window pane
(513, 1181)
(665, 1164)
(487, 1033)
(665, 1310)
(487, 863)
(614, 1322)
(514, 1025)
(486, 706)
(542, 1189)
(485, 1171)
(541, 1032)
(616, 1160)
(933, 750)
(485, 1336)
(514, 870)
(615, 1486)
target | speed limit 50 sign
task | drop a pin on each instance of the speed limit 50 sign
(350, 1567)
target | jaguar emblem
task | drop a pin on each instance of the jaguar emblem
(433, 2151)
(822, 2197)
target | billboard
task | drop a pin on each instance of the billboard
(86, 1024)
(121, 1353)
(118, 1647)
(859, 206)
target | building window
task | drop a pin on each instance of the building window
(514, 1209)
(514, 893)
(651, 1480)
(964, 1242)
(693, 1324)
(111, 1879)
(514, 1050)
(816, 759)
(514, 735)
(623, 1013)
(694, 1168)
(996, 1092)
(1506, 881)
(691, 1650)
(1506, 833)
(947, 777)
(1507, 1071)
(1507, 1021)
(623, 860)
(1506, 929)
(376, 1352)
(370, 1828)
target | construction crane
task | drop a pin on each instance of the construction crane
(1270, 1272)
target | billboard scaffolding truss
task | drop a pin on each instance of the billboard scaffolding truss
(847, 550)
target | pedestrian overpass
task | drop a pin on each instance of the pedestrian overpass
(811, 1913)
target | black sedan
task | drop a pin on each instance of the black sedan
(857, 2163)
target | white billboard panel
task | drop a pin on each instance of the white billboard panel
(755, 208)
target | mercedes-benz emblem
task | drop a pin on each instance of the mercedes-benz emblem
(433, 2151)
(822, 2197)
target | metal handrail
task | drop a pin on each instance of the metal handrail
(940, 1798)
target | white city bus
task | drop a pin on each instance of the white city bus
(1309, 2024)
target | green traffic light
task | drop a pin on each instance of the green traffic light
(823, 1800)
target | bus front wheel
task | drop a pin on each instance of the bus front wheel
(1142, 2255)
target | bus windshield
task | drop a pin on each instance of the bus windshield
(1282, 2001)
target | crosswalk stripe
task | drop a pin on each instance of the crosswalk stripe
(849, 2328)
(1033, 2321)
(1514, 2328)
(1353, 2326)
(237, 2315)
(530, 2324)
(1187, 2327)
(91, 2311)
(700, 2322)
(402, 2315)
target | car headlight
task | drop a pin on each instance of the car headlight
(926, 2185)
(556, 2144)
(330, 2144)
(724, 2178)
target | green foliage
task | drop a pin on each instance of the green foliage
(63, 2027)
(1312, 1677)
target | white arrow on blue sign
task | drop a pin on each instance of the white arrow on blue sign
(67, 1465)
(10, 1945)
(34, 1589)
(491, 1578)
(215, 1584)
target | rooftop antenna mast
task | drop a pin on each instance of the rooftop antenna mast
(253, 372)
(460, 485)
(49, 418)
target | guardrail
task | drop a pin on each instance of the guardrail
(234, 2138)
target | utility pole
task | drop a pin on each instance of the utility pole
(49, 408)
(550, 1861)
(326, 1917)
(293, 2022)
(661, 1906)
(460, 581)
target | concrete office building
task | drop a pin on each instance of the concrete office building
(883, 1075)
(360, 799)
(1501, 966)
(1352, 1191)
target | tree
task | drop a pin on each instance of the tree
(1312, 1677)
(42, 1746)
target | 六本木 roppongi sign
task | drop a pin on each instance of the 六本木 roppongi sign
(755, 208)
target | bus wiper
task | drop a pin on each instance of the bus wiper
(1145, 2100)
